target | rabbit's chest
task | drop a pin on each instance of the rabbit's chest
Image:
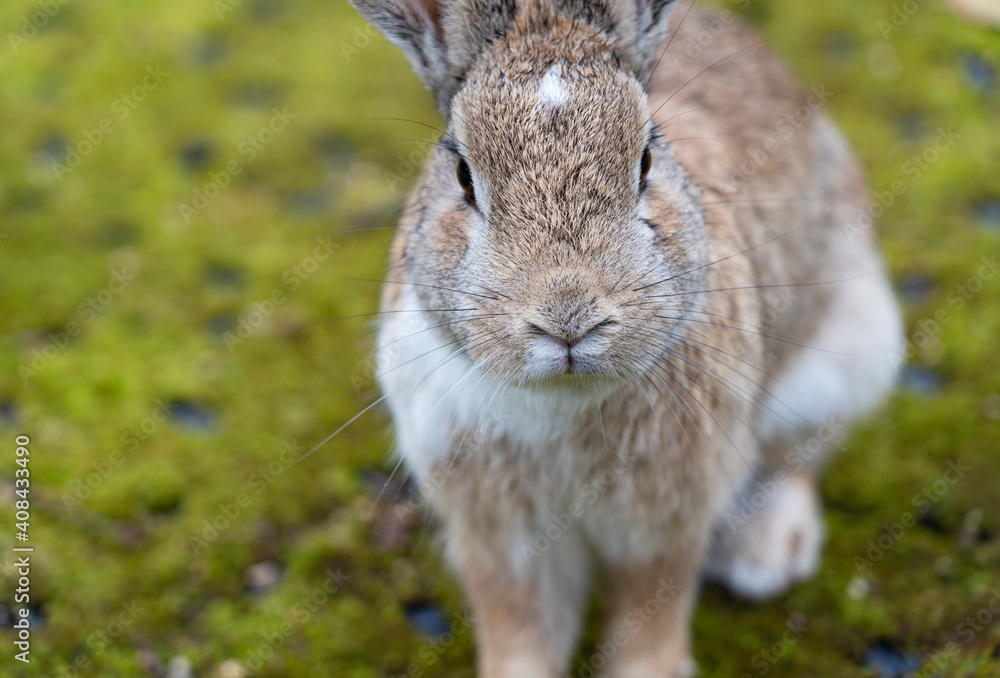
(540, 458)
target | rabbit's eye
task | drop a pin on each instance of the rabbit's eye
(645, 164)
(465, 180)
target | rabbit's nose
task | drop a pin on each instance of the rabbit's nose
(569, 334)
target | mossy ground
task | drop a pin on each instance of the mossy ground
(340, 169)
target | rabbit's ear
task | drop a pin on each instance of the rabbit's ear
(471, 25)
(415, 27)
(652, 19)
(637, 26)
(442, 38)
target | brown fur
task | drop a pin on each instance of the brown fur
(669, 278)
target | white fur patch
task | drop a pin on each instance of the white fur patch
(779, 545)
(433, 390)
(848, 368)
(551, 91)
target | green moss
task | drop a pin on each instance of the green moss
(160, 528)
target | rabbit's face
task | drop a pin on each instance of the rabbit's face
(560, 217)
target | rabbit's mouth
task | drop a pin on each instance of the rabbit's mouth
(556, 352)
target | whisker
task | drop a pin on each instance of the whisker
(376, 350)
(712, 263)
(332, 435)
(692, 110)
(763, 287)
(419, 141)
(750, 399)
(762, 334)
(667, 46)
(734, 202)
(673, 375)
(417, 122)
(401, 282)
(342, 231)
(374, 313)
(396, 468)
(700, 73)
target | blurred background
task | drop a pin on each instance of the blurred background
(193, 196)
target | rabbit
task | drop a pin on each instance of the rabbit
(631, 304)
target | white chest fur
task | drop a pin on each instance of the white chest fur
(436, 393)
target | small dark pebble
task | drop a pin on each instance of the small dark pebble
(219, 325)
(889, 661)
(195, 155)
(164, 505)
(988, 211)
(427, 618)
(53, 147)
(306, 203)
(915, 288)
(393, 529)
(979, 73)
(208, 50)
(388, 490)
(923, 380)
(9, 413)
(263, 11)
(37, 616)
(257, 94)
(336, 150)
(224, 277)
(128, 535)
(840, 47)
(983, 536)
(119, 234)
(912, 126)
(931, 521)
(191, 415)
(150, 660)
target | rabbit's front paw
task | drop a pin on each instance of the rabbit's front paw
(777, 545)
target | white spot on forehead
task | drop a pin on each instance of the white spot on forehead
(551, 91)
